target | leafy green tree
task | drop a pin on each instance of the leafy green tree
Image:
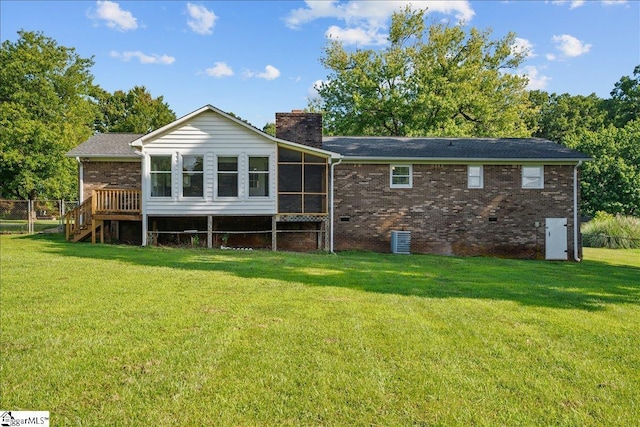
(436, 81)
(134, 111)
(611, 182)
(269, 128)
(625, 99)
(46, 108)
(562, 115)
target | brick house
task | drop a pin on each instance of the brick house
(212, 176)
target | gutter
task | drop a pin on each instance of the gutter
(143, 207)
(331, 208)
(576, 224)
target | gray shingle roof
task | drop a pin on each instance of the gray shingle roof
(107, 145)
(469, 149)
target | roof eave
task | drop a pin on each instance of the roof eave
(485, 160)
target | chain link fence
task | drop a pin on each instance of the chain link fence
(33, 216)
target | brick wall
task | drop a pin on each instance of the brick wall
(444, 216)
(298, 126)
(99, 175)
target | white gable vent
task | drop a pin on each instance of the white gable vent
(401, 242)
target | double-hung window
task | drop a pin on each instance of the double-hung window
(192, 176)
(228, 176)
(401, 176)
(258, 176)
(160, 176)
(532, 176)
(475, 177)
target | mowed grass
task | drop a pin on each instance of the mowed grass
(113, 335)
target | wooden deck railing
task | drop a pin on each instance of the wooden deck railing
(116, 201)
(78, 218)
(106, 202)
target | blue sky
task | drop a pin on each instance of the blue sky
(257, 58)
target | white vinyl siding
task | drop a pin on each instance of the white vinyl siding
(475, 176)
(401, 176)
(532, 176)
(209, 136)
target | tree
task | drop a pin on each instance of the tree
(625, 99)
(269, 128)
(611, 182)
(46, 108)
(133, 111)
(448, 82)
(562, 115)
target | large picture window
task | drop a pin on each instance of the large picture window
(227, 177)
(160, 176)
(401, 176)
(192, 176)
(258, 176)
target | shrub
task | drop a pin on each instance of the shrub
(613, 232)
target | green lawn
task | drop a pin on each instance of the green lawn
(113, 335)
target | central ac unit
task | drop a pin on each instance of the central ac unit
(401, 242)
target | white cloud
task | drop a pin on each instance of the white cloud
(143, 58)
(523, 46)
(570, 46)
(572, 3)
(115, 17)
(270, 73)
(201, 19)
(366, 22)
(219, 69)
(357, 36)
(613, 2)
(537, 81)
(312, 92)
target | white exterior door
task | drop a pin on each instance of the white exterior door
(556, 238)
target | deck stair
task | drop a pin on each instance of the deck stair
(87, 219)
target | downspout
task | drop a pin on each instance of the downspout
(143, 207)
(331, 208)
(80, 181)
(576, 224)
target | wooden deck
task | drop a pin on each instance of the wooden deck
(107, 204)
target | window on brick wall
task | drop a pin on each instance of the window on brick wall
(160, 176)
(533, 177)
(475, 176)
(401, 176)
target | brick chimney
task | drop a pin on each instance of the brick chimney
(298, 126)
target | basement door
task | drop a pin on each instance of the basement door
(556, 238)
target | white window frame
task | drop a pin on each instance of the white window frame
(237, 173)
(169, 172)
(479, 176)
(391, 176)
(532, 176)
(269, 174)
(182, 173)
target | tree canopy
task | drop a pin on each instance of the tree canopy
(440, 80)
(133, 111)
(611, 181)
(46, 108)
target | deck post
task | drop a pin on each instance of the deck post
(209, 231)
